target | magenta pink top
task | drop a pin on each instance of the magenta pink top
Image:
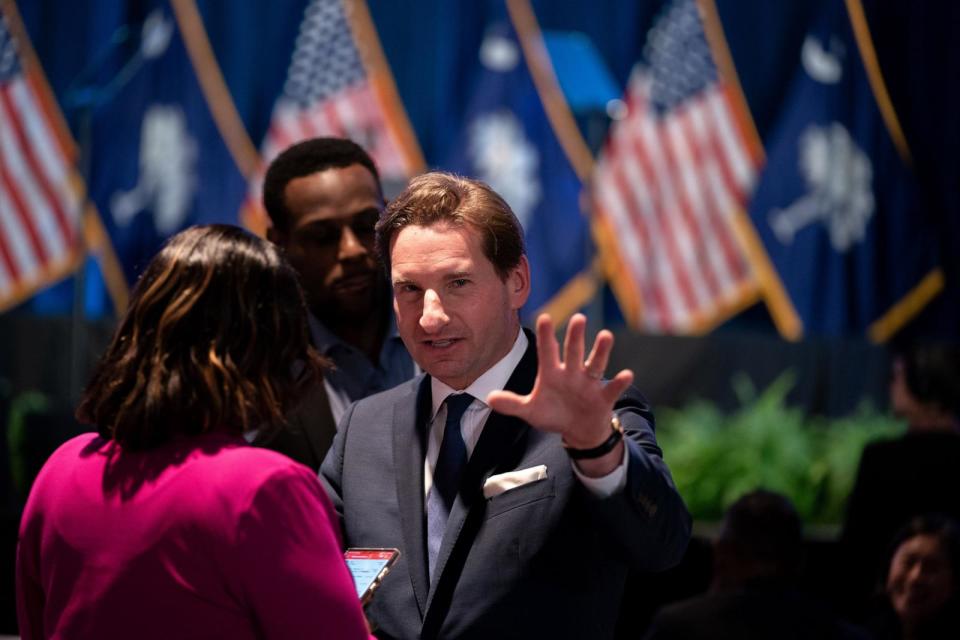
(204, 537)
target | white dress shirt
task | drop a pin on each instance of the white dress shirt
(471, 425)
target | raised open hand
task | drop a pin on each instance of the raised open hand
(570, 396)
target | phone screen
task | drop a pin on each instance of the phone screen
(368, 566)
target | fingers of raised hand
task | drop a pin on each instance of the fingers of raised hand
(507, 403)
(573, 344)
(573, 354)
(614, 388)
(548, 351)
(599, 356)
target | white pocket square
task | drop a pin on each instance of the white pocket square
(497, 484)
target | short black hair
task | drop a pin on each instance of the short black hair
(932, 374)
(764, 526)
(303, 159)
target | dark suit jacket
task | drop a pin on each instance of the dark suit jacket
(309, 430)
(546, 559)
(898, 479)
(759, 612)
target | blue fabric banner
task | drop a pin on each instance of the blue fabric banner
(157, 160)
(152, 155)
(837, 207)
(508, 142)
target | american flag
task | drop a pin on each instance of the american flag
(338, 85)
(40, 203)
(676, 170)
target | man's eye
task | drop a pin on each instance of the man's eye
(459, 282)
(364, 224)
(322, 235)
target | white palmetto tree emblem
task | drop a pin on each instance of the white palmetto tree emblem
(839, 178)
(507, 161)
(167, 182)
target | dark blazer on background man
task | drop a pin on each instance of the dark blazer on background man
(309, 431)
(545, 559)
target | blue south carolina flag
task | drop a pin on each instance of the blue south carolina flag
(158, 161)
(837, 208)
(508, 142)
(152, 154)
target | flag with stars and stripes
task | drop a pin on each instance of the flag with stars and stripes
(40, 200)
(676, 170)
(338, 84)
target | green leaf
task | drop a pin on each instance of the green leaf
(716, 458)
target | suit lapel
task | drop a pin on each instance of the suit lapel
(498, 449)
(409, 450)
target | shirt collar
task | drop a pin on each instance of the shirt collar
(325, 340)
(492, 379)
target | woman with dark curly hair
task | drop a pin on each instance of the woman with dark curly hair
(164, 523)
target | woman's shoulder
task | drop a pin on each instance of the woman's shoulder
(82, 446)
(250, 465)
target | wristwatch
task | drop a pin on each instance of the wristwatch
(602, 449)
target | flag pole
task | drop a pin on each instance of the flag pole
(82, 98)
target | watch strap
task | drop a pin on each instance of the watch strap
(606, 447)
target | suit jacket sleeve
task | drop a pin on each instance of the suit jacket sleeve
(331, 470)
(648, 519)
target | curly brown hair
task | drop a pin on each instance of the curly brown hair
(215, 338)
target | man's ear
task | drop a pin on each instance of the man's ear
(518, 283)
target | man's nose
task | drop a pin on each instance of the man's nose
(433, 317)
(350, 246)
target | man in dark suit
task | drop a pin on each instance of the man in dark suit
(323, 197)
(518, 485)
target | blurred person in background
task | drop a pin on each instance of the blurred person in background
(165, 523)
(754, 593)
(324, 197)
(920, 594)
(914, 474)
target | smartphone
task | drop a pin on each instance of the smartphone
(368, 567)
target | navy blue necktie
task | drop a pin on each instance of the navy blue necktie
(446, 474)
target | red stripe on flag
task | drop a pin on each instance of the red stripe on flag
(715, 146)
(721, 231)
(661, 266)
(644, 212)
(664, 221)
(38, 172)
(6, 256)
(332, 118)
(23, 213)
(310, 123)
(698, 267)
(648, 284)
